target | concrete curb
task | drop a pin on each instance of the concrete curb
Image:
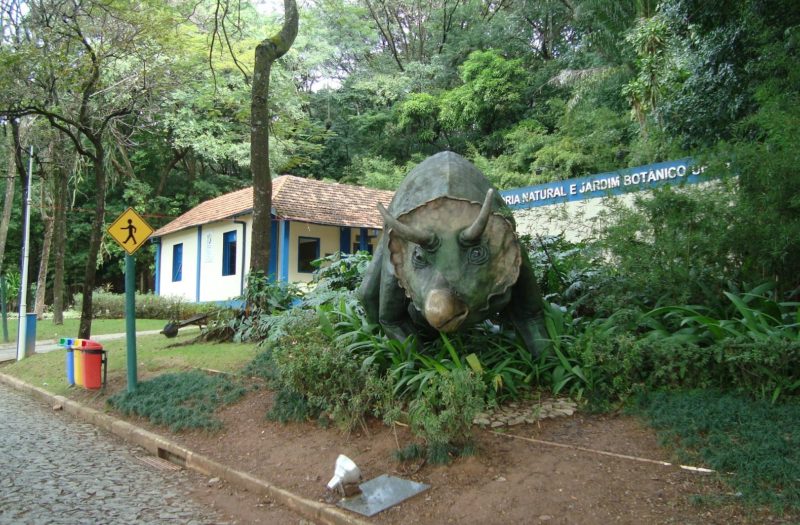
(166, 449)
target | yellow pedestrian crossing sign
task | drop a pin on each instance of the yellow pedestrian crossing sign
(130, 231)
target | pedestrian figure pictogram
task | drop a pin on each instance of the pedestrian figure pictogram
(130, 231)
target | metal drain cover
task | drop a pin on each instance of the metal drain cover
(161, 464)
(381, 493)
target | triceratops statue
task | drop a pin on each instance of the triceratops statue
(449, 257)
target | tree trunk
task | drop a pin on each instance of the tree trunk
(85, 329)
(59, 232)
(8, 202)
(267, 52)
(41, 282)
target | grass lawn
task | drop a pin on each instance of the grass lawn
(46, 330)
(153, 357)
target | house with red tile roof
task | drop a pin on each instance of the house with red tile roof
(204, 254)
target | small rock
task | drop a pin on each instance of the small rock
(545, 517)
(501, 479)
(58, 407)
(213, 481)
(481, 421)
(496, 424)
(517, 421)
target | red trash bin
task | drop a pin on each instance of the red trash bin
(94, 364)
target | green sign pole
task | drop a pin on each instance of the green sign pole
(130, 318)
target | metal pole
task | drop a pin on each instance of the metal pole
(130, 318)
(23, 285)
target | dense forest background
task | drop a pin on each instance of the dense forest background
(147, 104)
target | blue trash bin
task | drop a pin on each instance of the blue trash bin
(30, 334)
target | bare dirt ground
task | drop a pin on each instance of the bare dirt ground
(508, 481)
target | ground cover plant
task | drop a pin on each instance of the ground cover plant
(752, 444)
(181, 400)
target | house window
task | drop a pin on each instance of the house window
(177, 262)
(307, 251)
(357, 245)
(229, 253)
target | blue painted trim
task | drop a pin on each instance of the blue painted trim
(273, 250)
(363, 244)
(157, 242)
(285, 227)
(626, 180)
(345, 236)
(199, 249)
(244, 252)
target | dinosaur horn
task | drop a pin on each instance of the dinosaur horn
(406, 232)
(475, 230)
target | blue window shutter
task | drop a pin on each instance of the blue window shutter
(229, 253)
(177, 262)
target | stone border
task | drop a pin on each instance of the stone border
(162, 447)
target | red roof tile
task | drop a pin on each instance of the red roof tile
(294, 198)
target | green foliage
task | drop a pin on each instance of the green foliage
(264, 299)
(107, 305)
(13, 280)
(489, 97)
(288, 405)
(181, 401)
(752, 444)
(336, 276)
(442, 416)
(671, 247)
(326, 375)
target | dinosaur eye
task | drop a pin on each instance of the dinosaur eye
(419, 258)
(478, 254)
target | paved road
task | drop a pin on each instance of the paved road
(56, 470)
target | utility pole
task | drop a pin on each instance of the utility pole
(22, 332)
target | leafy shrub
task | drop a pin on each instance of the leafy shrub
(670, 247)
(264, 300)
(327, 375)
(181, 400)
(442, 416)
(13, 280)
(107, 305)
(341, 271)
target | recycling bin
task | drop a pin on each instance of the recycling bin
(77, 357)
(94, 365)
(67, 343)
(70, 366)
(30, 334)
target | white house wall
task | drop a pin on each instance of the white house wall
(187, 286)
(213, 285)
(328, 236)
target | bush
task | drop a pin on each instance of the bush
(327, 375)
(443, 415)
(107, 305)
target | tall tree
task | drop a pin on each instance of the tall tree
(267, 52)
